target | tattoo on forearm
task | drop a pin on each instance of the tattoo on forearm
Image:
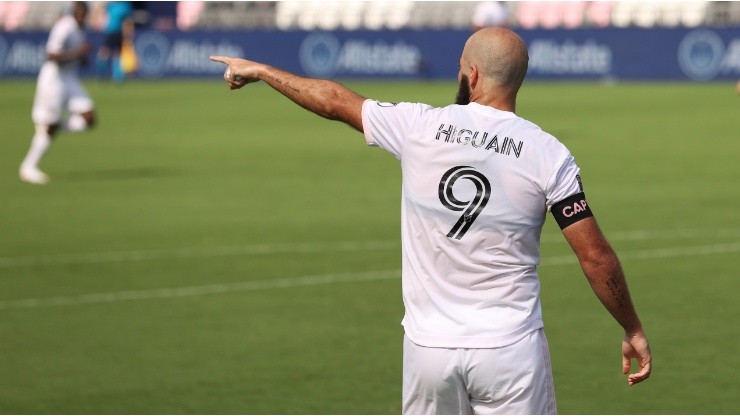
(618, 291)
(287, 85)
(290, 86)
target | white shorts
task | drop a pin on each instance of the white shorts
(515, 379)
(57, 91)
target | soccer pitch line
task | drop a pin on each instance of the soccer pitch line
(298, 248)
(292, 282)
(645, 235)
(189, 291)
(188, 253)
(656, 253)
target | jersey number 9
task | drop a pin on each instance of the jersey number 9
(470, 209)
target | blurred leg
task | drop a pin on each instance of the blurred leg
(29, 170)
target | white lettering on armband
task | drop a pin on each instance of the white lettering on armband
(571, 210)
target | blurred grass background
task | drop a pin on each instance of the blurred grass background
(252, 203)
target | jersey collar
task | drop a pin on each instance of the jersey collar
(490, 111)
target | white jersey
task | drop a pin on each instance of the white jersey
(65, 35)
(477, 184)
(58, 88)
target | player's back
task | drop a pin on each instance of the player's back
(481, 175)
(477, 183)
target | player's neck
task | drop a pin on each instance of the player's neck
(499, 104)
(500, 100)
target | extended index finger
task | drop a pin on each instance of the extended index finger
(223, 59)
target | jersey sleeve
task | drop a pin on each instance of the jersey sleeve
(566, 199)
(564, 182)
(387, 125)
(58, 36)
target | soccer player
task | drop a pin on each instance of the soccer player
(58, 89)
(478, 181)
(118, 13)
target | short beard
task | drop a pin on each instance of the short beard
(463, 91)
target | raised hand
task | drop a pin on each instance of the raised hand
(239, 72)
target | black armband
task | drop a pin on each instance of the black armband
(571, 210)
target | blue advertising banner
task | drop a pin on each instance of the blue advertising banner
(701, 54)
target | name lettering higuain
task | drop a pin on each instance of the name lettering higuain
(452, 134)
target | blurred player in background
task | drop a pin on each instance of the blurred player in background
(489, 14)
(58, 89)
(118, 28)
(477, 183)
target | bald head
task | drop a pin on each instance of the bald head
(500, 56)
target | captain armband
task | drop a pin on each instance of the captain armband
(571, 210)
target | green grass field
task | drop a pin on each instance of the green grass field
(206, 251)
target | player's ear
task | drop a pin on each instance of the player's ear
(474, 77)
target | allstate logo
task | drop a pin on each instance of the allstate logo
(319, 53)
(3, 53)
(700, 54)
(152, 49)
